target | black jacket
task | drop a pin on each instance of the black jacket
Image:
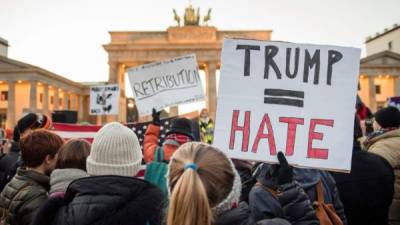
(264, 205)
(296, 208)
(22, 196)
(367, 191)
(8, 165)
(104, 200)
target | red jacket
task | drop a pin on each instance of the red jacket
(151, 144)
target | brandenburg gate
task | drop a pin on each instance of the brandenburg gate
(133, 48)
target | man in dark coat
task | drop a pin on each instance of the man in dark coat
(24, 194)
(368, 190)
(111, 195)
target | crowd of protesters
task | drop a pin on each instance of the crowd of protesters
(45, 180)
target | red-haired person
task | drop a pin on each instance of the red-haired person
(12, 160)
(25, 193)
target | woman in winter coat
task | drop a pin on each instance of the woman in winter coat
(205, 190)
(385, 141)
(70, 166)
(110, 195)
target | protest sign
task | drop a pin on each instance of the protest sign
(104, 100)
(167, 83)
(295, 98)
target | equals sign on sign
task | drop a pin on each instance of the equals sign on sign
(284, 97)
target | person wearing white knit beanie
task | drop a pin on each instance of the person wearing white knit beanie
(112, 194)
(115, 151)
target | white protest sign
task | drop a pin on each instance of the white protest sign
(104, 100)
(295, 98)
(167, 83)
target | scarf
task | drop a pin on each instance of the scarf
(180, 138)
(378, 133)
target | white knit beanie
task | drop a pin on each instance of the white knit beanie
(115, 151)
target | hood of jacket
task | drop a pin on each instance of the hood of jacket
(307, 178)
(106, 200)
(61, 178)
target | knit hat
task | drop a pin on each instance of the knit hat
(115, 151)
(388, 117)
(29, 121)
(181, 126)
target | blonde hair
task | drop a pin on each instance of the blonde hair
(195, 191)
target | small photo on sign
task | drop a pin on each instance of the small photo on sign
(104, 100)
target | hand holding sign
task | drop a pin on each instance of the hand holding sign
(294, 98)
(156, 117)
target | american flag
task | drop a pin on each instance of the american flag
(87, 132)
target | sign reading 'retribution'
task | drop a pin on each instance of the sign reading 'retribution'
(295, 98)
(167, 83)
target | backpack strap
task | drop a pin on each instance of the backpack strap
(320, 192)
(159, 154)
(273, 192)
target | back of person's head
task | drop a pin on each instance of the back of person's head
(181, 126)
(25, 123)
(39, 145)
(202, 182)
(73, 154)
(388, 117)
(115, 151)
(31, 121)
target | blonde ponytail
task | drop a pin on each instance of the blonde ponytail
(200, 177)
(189, 201)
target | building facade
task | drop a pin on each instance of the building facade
(380, 69)
(27, 88)
(133, 48)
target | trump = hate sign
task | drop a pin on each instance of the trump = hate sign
(295, 98)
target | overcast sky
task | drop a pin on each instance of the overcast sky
(66, 36)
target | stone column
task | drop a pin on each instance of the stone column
(372, 93)
(11, 105)
(80, 108)
(56, 98)
(45, 98)
(33, 96)
(396, 80)
(211, 88)
(173, 111)
(114, 74)
(65, 100)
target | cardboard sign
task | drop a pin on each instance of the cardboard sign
(167, 83)
(295, 98)
(104, 100)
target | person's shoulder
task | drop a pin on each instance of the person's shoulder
(239, 215)
(112, 184)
